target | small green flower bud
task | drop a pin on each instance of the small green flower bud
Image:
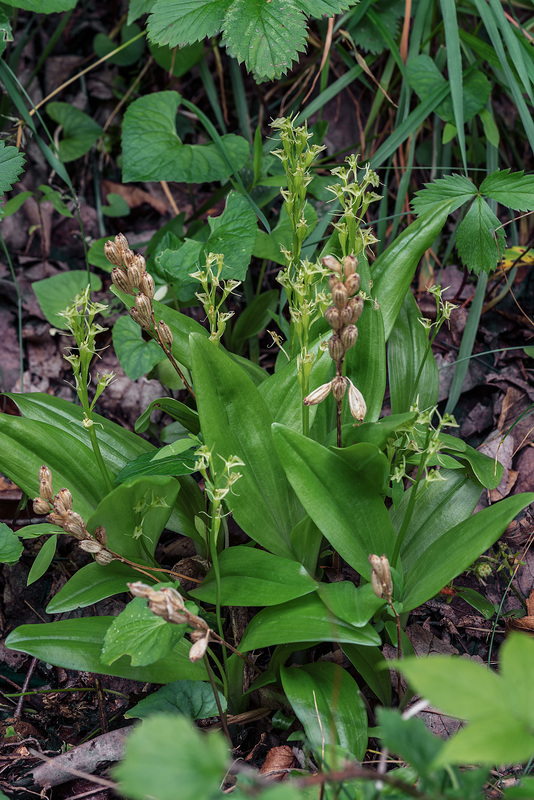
(336, 348)
(349, 336)
(41, 506)
(355, 304)
(134, 276)
(352, 283)
(113, 253)
(103, 557)
(165, 334)
(121, 281)
(350, 264)
(45, 483)
(339, 295)
(332, 316)
(331, 262)
(357, 406)
(147, 285)
(318, 395)
(339, 387)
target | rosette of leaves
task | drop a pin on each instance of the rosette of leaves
(267, 35)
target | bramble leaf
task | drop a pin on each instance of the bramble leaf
(456, 188)
(11, 165)
(512, 189)
(480, 238)
(176, 22)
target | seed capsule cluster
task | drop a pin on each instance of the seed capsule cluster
(129, 275)
(59, 512)
(342, 317)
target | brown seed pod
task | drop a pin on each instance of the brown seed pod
(90, 546)
(113, 253)
(45, 483)
(339, 387)
(165, 334)
(101, 535)
(147, 285)
(103, 557)
(355, 304)
(332, 316)
(336, 348)
(121, 241)
(140, 262)
(350, 265)
(143, 306)
(128, 257)
(63, 501)
(41, 506)
(134, 276)
(331, 262)
(121, 281)
(340, 295)
(352, 283)
(349, 336)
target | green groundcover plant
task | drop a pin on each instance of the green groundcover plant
(301, 458)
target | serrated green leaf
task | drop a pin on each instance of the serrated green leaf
(10, 545)
(512, 189)
(136, 356)
(456, 188)
(43, 559)
(168, 754)
(176, 22)
(76, 644)
(253, 33)
(80, 132)
(480, 238)
(137, 8)
(321, 8)
(55, 294)
(368, 36)
(140, 634)
(192, 698)
(11, 165)
(153, 151)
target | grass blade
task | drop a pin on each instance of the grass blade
(454, 64)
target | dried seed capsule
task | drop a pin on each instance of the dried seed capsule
(140, 262)
(73, 523)
(45, 483)
(113, 253)
(140, 589)
(349, 336)
(121, 241)
(103, 557)
(352, 283)
(339, 387)
(165, 334)
(101, 535)
(357, 406)
(340, 295)
(336, 348)
(355, 304)
(134, 276)
(121, 281)
(382, 583)
(128, 257)
(147, 285)
(333, 280)
(318, 395)
(135, 316)
(331, 262)
(63, 501)
(143, 306)
(41, 506)
(90, 546)
(332, 316)
(198, 649)
(350, 264)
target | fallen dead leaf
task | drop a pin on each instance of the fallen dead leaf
(278, 762)
(135, 196)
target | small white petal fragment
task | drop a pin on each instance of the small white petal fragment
(357, 406)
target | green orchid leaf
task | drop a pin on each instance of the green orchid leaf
(10, 545)
(91, 584)
(326, 700)
(192, 698)
(79, 130)
(43, 559)
(76, 644)
(251, 577)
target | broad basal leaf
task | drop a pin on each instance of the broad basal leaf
(79, 133)
(153, 151)
(193, 698)
(56, 293)
(480, 238)
(136, 356)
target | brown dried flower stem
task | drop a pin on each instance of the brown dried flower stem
(168, 352)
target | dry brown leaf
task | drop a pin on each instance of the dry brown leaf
(278, 762)
(135, 196)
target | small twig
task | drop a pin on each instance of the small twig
(18, 711)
